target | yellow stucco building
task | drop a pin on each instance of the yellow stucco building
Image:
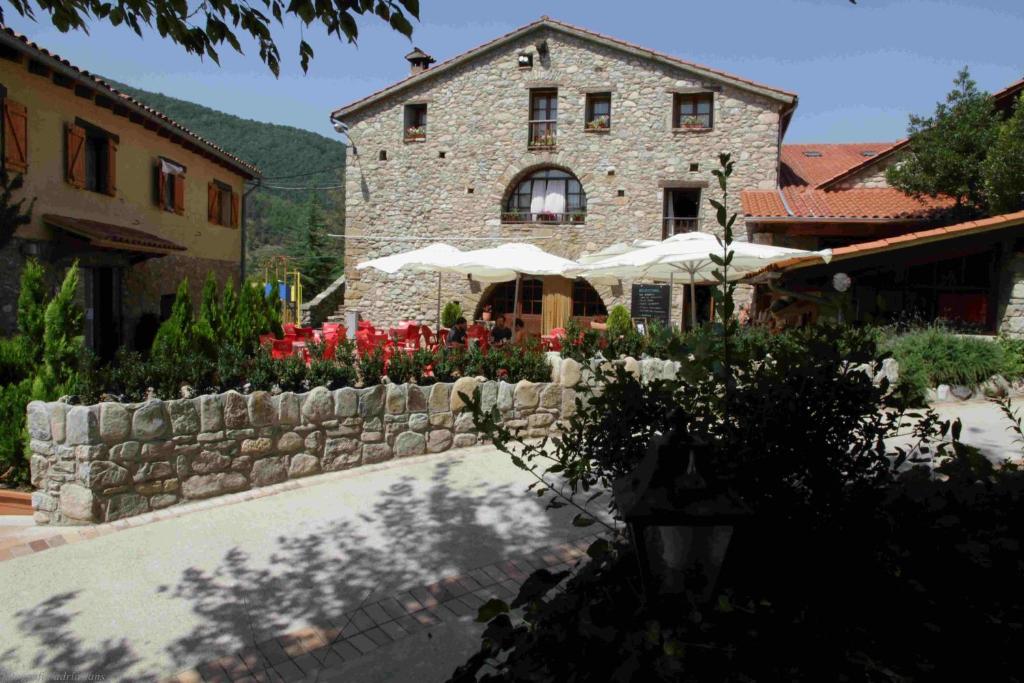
(140, 201)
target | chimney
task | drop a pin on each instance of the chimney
(419, 61)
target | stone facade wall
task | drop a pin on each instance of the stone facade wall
(1010, 310)
(872, 176)
(477, 118)
(100, 463)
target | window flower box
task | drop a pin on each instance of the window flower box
(416, 133)
(598, 124)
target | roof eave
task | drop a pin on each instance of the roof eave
(249, 172)
(782, 96)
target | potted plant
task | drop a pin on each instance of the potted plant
(598, 123)
(546, 139)
(691, 122)
(546, 217)
(578, 216)
(416, 133)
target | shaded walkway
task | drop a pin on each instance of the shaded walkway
(149, 601)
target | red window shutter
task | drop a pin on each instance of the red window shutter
(111, 186)
(161, 185)
(213, 203)
(75, 161)
(234, 210)
(179, 194)
(15, 137)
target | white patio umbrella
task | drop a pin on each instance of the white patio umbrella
(689, 253)
(436, 258)
(510, 262)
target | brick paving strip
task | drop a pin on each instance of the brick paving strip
(298, 655)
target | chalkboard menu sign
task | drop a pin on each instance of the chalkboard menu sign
(651, 302)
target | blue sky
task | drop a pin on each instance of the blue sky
(859, 70)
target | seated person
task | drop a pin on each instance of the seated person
(600, 322)
(457, 335)
(520, 337)
(501, 333)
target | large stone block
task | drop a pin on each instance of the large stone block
(269, 471)
(410, 443)
(318, 405)
(632, 366)
(83, 426)
(184, 417)
(376, 452)
(104, 474)
(290, 442)
(39, 421)
(397, 399)
(210, 461)
(125, 505)
(150, 421)
(288, 409)
(551, 396)
(126, 452)
(418, 397)
(506, 396)
(439, 440)
(211, 413)
(115, 422)
(58, 420)
(465, 440)
(38, 468)
(371, 402)
(340, 454)
(209, 485)
(346, 403)
(568, 402)
(464, 423)
(236, 411)
(488, 395)
(439, 401)
(152, 471)
(261, 409)
(554, 359)
(43, 501)
(527, 394)
(163, 500)
(158, 450)
(418, 422)
(258, 448)
(78, 503)
(569, 373)
(303, 465)
(464, 386)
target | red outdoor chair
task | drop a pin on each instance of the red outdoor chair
(266, 340)
(281, 348)
(304, 332)
(411, 342)
(289, 328)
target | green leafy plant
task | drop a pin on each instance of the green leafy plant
(32, 308)
(292, 373)
(62, 339)
(619, 323)
(1003, 169)
(451, 312)
(370, 366)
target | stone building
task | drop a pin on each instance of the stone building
(138, 200)
(553, 135)
(903, 257)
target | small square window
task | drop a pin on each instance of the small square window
(441, 155)
(415, 122)
(694, 110)
(599, 111)
(694, 168)
(525, 60)
(622, 193)
(469, 190)
(383, 155)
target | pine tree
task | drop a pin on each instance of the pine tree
(314, 253)
(62, 340)
(32, 309)
(176, 336)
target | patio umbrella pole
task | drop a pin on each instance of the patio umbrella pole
(670, 300)
(693, 301)
(438, 330)
(515, 304)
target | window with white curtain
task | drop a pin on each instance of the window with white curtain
(548, 195)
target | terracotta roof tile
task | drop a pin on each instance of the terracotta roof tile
(814, 163)
(865, 203)
(132, 102)
(1008, 220)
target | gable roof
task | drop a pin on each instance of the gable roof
(783, 96)
(812, 163)
(16, 41)
(911, 239)
(795, 203)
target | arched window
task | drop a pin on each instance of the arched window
(549, 195)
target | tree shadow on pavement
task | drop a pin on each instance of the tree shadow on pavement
(414, 533)
(61, 655)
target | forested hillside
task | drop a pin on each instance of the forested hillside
(288, 157)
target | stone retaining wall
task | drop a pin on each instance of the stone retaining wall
(104, 462)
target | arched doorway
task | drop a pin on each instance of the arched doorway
(544, 302)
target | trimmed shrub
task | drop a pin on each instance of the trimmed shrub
(932, 356)
(14, 398)
(451, 312)
(619, 322)
(32, 309)
(62, 340)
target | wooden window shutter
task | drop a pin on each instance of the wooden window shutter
(75, 161)
(234, 210)
(15, 137)
(179, 194)
(213, 203)
(161, 184)
(111, 184)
